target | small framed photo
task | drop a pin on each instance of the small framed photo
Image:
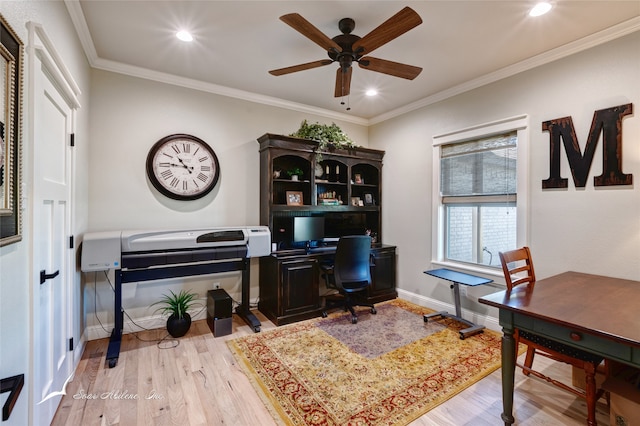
(368, 199)
(355, 201)
(294, 198)
(358, 178)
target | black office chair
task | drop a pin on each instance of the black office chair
(350, 274)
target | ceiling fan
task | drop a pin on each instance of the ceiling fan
(348, 48)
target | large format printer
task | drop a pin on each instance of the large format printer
(160, 254)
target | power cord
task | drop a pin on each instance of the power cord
(159, 342)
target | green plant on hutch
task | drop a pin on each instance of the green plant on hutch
(176, 306)
(297, 172)
(329, 136)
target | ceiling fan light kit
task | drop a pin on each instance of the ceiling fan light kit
(347, 48)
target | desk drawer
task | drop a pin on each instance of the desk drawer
(588, 342)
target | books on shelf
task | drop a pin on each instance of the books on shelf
(329, 202)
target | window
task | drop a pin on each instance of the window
(480, 193)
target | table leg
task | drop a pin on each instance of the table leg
(456, 299)
(508, 373)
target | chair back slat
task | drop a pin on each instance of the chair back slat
(516, 262)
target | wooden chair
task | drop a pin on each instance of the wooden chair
(519, 262)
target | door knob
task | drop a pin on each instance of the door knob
(44, 276)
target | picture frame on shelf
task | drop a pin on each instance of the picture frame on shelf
(368, 199)
(295, 198)
(355, 201)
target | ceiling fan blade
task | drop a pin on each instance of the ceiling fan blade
(395, 69)
(343, 82)
(393, 27)
(301, 67)
(306, 28)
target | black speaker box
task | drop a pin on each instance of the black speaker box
(219, 310)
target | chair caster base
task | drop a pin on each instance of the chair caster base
(354, 320)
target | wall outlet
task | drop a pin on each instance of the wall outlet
(216, 286)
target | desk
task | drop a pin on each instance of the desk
(458, 278)
(594, 313)
(290, 282)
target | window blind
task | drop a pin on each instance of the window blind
(484, 167)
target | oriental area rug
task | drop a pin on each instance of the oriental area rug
(388, 369)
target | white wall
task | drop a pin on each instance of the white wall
(15, 299)
(128, 115)
(588, 230)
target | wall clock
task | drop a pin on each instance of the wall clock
(182, 167)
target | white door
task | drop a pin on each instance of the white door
(52, 258)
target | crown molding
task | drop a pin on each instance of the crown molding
(80, 24)
(604, 36)
(145, 73)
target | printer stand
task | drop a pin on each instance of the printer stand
(243, 310)
(136, 275)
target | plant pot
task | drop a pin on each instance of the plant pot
(178, 327)
(294, 177)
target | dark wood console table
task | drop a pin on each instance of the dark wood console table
(290, 282)
(591, 312)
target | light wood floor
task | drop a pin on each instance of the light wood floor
(198, 382)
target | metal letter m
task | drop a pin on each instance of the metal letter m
(606, 121)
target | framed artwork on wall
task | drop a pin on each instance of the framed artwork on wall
(10, 125)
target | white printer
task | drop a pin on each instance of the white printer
(145, 249)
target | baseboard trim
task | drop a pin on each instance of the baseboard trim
(95, 332)
(437, 305)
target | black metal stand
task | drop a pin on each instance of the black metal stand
(244, 310)
(136, 275)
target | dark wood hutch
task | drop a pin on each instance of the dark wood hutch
(341, 185)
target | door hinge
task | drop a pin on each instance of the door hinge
(72, 139)
(71, 242)
(71, 344)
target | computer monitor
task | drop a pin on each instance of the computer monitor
(352, 223)
(308, 228)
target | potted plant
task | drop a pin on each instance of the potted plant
(176, 306)
(295, 173)
(329, 136)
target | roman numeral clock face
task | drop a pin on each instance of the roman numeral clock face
(183, 167)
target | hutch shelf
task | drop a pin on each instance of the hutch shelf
(341, 185)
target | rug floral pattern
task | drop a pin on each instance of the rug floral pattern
(321, 372)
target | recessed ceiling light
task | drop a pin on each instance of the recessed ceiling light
(540, 9)
(371, 92)
(184, 36)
